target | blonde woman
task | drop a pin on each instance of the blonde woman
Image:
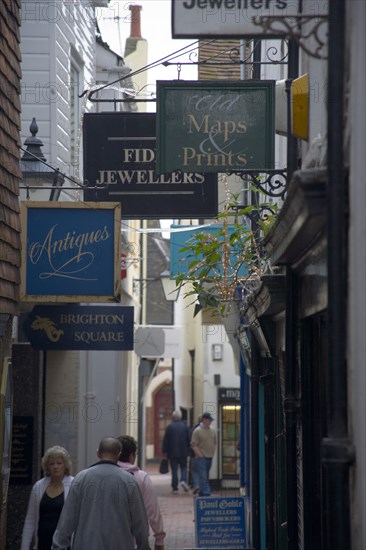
(47, 499)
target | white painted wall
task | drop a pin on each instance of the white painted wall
(102, 386)
(103, 412)
(136, 60)
(52, 35)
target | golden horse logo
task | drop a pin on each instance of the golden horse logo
(44, 323)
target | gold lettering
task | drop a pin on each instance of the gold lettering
(198, 126)
(97, 337)
(90, 319)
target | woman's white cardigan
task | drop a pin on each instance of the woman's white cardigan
(31, 520)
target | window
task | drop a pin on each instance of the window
(230, 440)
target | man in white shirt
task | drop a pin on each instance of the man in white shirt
(203, 443)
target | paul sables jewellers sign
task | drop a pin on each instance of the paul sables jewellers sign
(215, 126)
(71, 252)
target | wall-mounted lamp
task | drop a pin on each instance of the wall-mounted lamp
(36, 173)
(139, 284)
(171, 290)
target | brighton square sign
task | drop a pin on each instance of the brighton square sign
(74, 327)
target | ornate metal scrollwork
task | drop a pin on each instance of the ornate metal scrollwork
(235, 56)
(293, 30)
(272, 183)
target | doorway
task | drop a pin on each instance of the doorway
(163, 407)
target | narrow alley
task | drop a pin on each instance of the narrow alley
(177, 510)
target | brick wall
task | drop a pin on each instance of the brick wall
(10, 74)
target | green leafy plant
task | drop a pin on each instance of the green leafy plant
(227, 260)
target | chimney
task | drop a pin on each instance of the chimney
(135, 21)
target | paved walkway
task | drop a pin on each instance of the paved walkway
(177, 510)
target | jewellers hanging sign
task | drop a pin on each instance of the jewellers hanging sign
(70, 252)
(234, 18)
(215, 126)
(119, 165)
(80, 327)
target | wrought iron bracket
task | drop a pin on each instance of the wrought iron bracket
(236, 56)
(272, 183)
(293, 30)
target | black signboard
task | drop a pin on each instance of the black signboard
(229, 395)
(22, 450)
(119, 163)
(80, 327)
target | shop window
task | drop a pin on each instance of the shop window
(230, 420)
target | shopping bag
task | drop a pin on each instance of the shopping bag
(164, 466)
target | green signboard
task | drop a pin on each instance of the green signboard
(215, 126)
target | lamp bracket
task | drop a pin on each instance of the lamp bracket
(272, 183)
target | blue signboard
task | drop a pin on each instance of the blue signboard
(71, 252)
(179, 261)
(220, 522)
(80, 327)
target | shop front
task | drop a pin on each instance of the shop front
(229, 439)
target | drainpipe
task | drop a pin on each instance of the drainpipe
(337, 449)
(291, 404)
(192, 356)
(256, 489)
(254, 443)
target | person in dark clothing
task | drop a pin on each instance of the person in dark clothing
(176, 447)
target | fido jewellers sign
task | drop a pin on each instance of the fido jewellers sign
(80, 327)
(70, 252)
(215, 126)
(120, 165)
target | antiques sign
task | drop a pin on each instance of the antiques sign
(119, 165)
(234, 18)
(80, 327)
(215, 126)
(70, 252)
(220, 522)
